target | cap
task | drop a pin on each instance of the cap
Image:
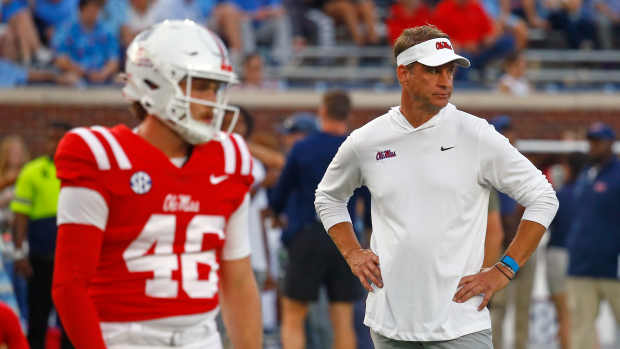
(601, 131)
(501, 123)
(432, 53)
(299, 122)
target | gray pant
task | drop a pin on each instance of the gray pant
(477, 340)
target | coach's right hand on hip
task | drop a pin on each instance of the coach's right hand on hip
(365, 265)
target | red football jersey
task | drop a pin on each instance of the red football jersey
(166, 225)
(11, 334)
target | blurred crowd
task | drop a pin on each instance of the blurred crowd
(82, 42)
(582, 246)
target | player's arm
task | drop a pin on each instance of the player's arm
(77, 253)
(495, 232)
(82, 217)
(331, 198)
(504, 168)
(239, 296)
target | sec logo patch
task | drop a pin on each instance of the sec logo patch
(140, 182)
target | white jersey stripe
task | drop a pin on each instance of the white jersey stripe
(119, 153)
(245, 154)
(230, 156)
(95, 147)
(79, 205)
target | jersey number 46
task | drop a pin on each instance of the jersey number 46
(159, 230)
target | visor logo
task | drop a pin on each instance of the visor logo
(442, 44)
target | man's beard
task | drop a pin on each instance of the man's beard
(426, 104)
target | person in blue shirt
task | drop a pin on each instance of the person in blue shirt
(50, 15)
(14, 75)
(314, 260)
(594, 239)
(85, 47)
(266, 21)
(556, 253)
(22, 33)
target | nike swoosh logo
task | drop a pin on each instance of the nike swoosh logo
(444, 149)
(215, 180)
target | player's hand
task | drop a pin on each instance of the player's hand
(365, 265)
(486, 283)
(23, 267)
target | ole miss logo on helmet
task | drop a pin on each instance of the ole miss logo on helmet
(442, 44)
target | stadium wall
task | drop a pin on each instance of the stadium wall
(543, 116)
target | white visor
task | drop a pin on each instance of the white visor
(432, 53)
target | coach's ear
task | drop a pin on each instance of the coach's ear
(404, 73)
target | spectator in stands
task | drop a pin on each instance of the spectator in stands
(406, 14)
(514, 80)
(310, 24)
(314, 261)
(34, 234)
(50, 15)
(253, 74)
(608, 22)
(114, 14)
(222, 15)
(519, 291)
(557, 254)
(11, 335)
(266, 21)
(18, 17)
(505, 21)
(140, 15)
(480, 41)
(14, 75)
(574, 18)
(593, 241)
(359, 17)
(86, 48)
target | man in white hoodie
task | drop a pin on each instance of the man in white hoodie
(429, 168)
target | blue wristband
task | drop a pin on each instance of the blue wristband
(510, 263)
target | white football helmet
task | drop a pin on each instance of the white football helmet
(163, 55)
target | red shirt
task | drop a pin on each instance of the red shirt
(465, 23)
(402, 18)
(11, 333)
(166, 225)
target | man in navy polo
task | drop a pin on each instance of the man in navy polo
(594, 240)
(313, 259)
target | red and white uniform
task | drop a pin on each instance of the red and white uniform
(163, 230)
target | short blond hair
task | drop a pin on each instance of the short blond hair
(413, 36)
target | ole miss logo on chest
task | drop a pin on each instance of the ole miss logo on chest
(385, 154)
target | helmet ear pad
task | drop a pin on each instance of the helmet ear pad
(159, 58)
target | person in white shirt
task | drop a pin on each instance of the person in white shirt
(430, 168)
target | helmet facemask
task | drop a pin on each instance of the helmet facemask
(179, 114)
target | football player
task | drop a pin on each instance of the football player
(153, 222)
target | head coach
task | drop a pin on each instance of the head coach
(429, 168)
